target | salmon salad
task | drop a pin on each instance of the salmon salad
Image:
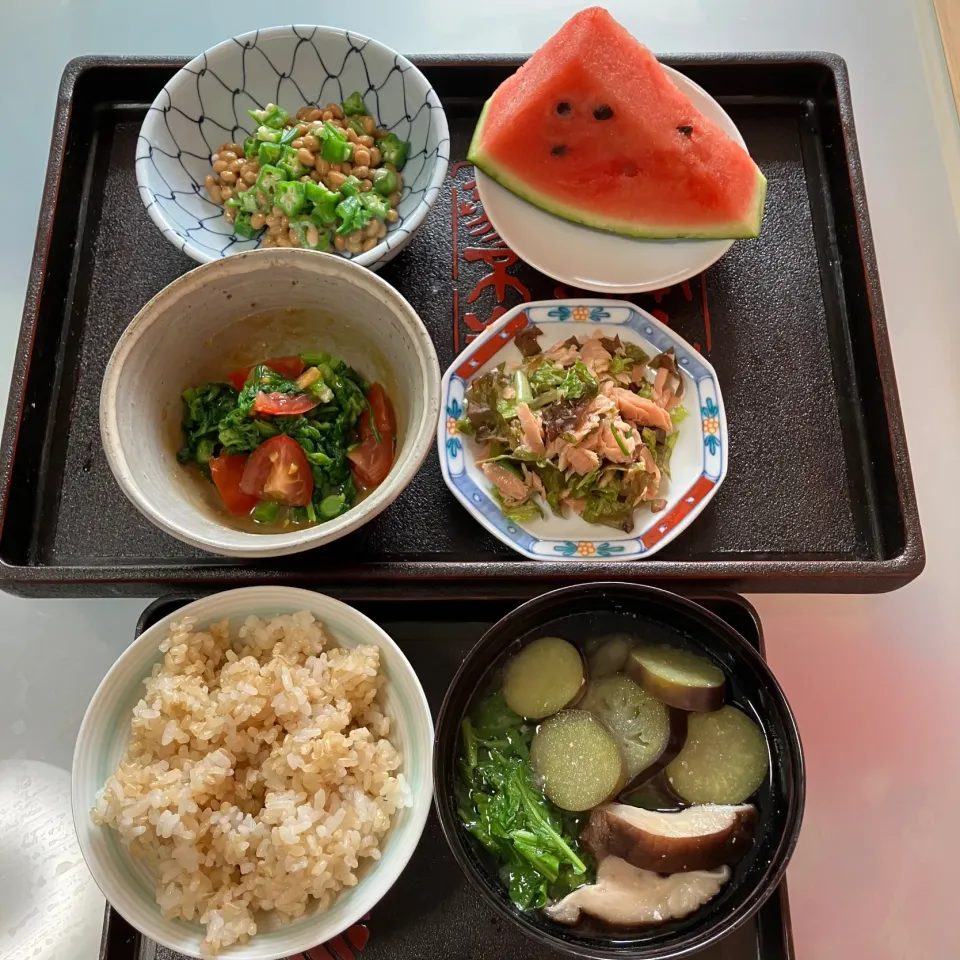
(587, 426)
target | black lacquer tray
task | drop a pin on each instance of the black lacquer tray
(432, 911)
(818, 496)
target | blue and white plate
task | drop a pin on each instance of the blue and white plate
(206, 104)
(698, 464)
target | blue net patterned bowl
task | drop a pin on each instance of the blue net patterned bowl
(206, 105)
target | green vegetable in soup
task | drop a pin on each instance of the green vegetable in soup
(534, 844)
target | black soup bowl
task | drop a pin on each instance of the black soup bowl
(653, 616)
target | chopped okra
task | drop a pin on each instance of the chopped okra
(375, 204)
(350, 187)
(290, 197)
(354, 104)
(271, 116)
(353, 215)
(394, 150)
(290, 164)
(269, 153)
(242, 226)
(301, 167)
(384, 181)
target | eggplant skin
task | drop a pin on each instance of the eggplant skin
(609, 833)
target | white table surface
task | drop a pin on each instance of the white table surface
(873, 679)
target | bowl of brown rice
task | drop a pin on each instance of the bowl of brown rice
(253, 774)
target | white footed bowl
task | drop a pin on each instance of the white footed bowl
(235, 312)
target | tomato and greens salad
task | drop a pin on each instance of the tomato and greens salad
(291, 440)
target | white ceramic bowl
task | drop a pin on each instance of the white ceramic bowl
(127, 882)
(698, 464)
(206, 104)
(233, 313)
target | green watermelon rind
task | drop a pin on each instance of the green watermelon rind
(745, 229)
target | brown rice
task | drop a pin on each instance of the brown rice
(258, 775)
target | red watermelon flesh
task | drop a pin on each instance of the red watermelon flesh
(591, 128)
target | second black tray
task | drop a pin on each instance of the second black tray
(432, 911)
(818, 495)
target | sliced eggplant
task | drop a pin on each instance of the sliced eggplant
(698, 838)
(543, 678)
(677, 677)
(678, 737)
(640, 723)
(576, 760)
(654, 793)
(608, 655)
(626, 896)
(724, 760)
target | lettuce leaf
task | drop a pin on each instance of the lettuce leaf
(610, 512)
(578, 381)
(552, 480)
(545, 377)
(519, 513)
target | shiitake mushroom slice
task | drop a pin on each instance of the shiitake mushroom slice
(677, 677)
(639, 722)
(543, 678)
(576, 760)
(724, 760)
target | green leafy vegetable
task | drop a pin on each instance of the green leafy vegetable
(219, 419)
(205, 407)
(519, 513)
(578, 382)
(534, 844)
(552, 480)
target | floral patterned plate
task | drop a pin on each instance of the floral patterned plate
(206, 104)
(698, 464)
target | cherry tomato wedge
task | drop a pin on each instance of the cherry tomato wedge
(278, 470)
(383, 416)
(227, 471)
(373, 459)
(284, 403)
(288, 367)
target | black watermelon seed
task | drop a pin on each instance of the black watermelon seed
(559, 150)
(685, 130)
(563, 108)
(604, 112)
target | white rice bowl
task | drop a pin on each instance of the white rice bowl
(260, 780)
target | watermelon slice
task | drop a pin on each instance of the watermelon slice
(592, 129)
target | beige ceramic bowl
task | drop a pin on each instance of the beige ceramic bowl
(232, 313)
